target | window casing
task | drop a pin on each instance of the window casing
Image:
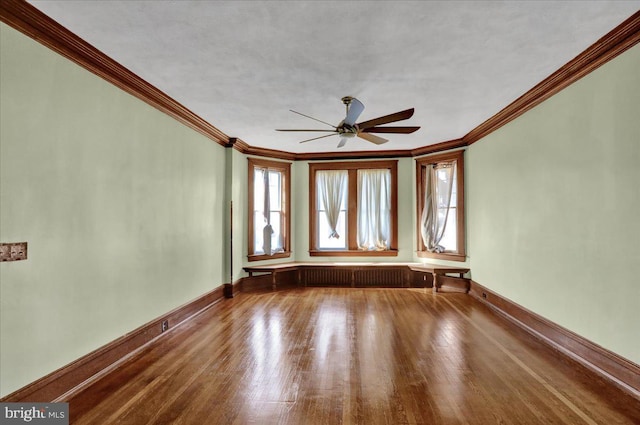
(347, 245)
(279, 206)
(453, 239)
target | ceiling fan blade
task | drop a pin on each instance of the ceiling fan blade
(402, 130)
(316, 138)
(343, 141)
(316, 119)
(355, 109)
(305, 129)
(398, 116)
(372, 138)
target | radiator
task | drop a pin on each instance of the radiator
(365, 277)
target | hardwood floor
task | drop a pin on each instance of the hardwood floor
(350, 356)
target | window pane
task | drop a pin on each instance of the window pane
(374, 209)
(258, 225)
(276, 237)
(454, 189)
(275, 179)
(258, 190)
(324, 230)
(450, 238)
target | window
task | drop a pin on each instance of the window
(440, 191)
(353, 208)
(269, 222)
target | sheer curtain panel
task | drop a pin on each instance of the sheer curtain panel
(374, 209)
(332, 185)
(437, 200)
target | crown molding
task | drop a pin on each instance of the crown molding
(32, 22)
(614, 43)
(313, 156)
(247, 149)
(439, 147)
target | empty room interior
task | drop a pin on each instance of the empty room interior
(314, 212)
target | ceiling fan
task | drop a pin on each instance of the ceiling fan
(348, 127)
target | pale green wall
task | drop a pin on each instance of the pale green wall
(240, 199)
(121, 206)
(553, 207)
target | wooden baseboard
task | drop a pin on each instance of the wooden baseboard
(65, 381)
(448, 284)
(615, 369)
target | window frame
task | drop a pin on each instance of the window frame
(352, 168)
(421, 167)
(285, 199)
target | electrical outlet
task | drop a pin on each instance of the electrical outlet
(13, 251)
(19, 251)
(165, 325)
(5, 252)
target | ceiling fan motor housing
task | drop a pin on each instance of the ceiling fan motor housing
(346, 130)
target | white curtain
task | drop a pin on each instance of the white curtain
(267, 230)
(374, 209)
(438, 185)
(332, 185)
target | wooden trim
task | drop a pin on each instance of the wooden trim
(238, 286)
(439, 147)
(77, 373)
(246, 149)
(260, 257)
(441, 256)
(617, 41)
(621, 372)
(352, 253)
(285, 225)
(352, 167)
(323, 156)
(314, 156)
(32, 22)
(458, 156)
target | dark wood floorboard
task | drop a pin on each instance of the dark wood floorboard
(350, 356)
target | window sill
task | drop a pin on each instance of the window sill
(353, 253)
(451, 256)
(258, 257)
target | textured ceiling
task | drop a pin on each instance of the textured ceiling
(242, 65)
